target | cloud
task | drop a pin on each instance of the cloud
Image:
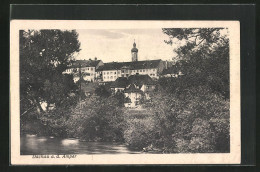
(116, 44)
(111, 34)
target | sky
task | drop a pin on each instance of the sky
(115, 45)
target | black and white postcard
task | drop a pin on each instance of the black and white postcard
(124, 92)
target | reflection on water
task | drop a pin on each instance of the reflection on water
(34, 145)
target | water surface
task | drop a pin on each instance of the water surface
(35, 145)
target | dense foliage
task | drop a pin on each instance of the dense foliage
(44, 55)
(202, 56)
(194, 121)
(98, 119)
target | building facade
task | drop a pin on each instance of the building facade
(135, 89)
(111, 71)
(85, 69)
(96, 70)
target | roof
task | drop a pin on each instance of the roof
(110, 66)
(134, 50)
(132, 89)
(147, 64)
(85, 63)
(120, 82)
(140, 80)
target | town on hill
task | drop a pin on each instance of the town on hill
(134, 78)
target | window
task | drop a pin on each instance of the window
(108, 73)
(111, 72)
(104, 77)
(104, 73)
(111, 77)
(91, 68)
(115, 73)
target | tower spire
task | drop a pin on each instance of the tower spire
(134, 52)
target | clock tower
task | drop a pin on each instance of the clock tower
(134, 52)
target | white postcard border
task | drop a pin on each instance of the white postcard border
(234, 157)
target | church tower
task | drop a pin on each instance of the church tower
(134, 52)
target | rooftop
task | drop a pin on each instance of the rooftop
(133, 89)
(138, 80)
(85, 63)
(120, 82)
(147, 64)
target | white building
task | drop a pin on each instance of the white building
(84, 68)
(133, 96)
(111, 71)
(135, 88)
(96, 70)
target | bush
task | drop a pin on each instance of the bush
(139, 133)
(99, 119)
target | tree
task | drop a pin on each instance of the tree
(44, 55)
(196, 120)
(103, 91)
(203, 56)
(100, 118)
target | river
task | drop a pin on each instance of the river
(35, 145)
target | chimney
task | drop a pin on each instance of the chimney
(95, 58)
(89, 59)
